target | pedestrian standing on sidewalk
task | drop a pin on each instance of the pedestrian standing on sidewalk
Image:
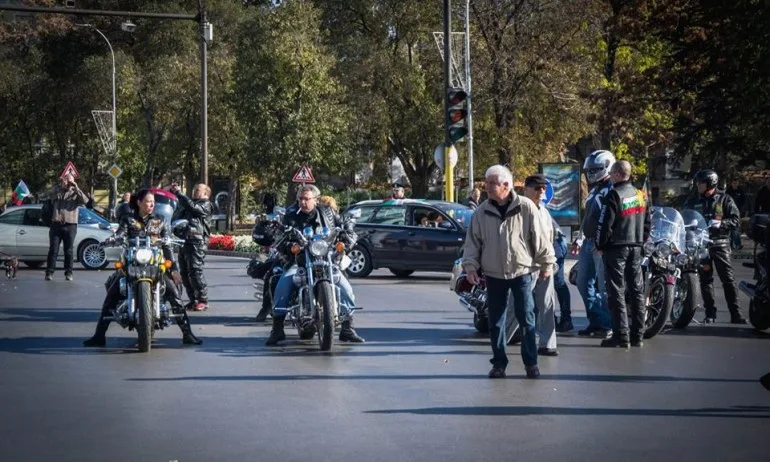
(545, 296)
(197, 211)
(624, 226)
(505, 240)
(65, 199)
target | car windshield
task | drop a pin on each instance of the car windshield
(460, 213)
(89, 217)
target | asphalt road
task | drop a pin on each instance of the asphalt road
(417, 390)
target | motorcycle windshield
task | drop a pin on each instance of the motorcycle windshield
(695, 225)
(667, 224)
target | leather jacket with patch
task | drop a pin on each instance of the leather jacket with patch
(624, 219)
(132, 226)
(198, 214)
(720, 207)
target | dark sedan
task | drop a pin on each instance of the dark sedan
(408, 235)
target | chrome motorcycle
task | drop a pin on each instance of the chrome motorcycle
(659, 269)
(321, 259)
(474, 299)
(141, 270)
(759, 291)
(687, 296)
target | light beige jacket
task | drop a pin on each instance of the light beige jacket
(511, 246)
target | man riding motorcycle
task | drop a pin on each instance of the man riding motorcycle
(723, 216)
(133, 225)
(307, 213)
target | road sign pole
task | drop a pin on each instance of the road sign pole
(448, 171)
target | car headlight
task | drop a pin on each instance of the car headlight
(663, 249)
(649, 247)
(682, 259)
(319, 248)
(143, 256)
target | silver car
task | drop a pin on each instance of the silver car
(24, 236)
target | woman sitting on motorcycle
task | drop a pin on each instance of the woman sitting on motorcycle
(142, 221)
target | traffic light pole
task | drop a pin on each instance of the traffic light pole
(448, 171)
(470, 93)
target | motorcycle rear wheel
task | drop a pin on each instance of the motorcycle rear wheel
(325, 303)
(653, 325)
(144, 308)
(682, 315)
(759, 315)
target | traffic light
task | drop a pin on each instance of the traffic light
(457, 114)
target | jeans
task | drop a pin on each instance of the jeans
(545, 302)
(524, 308)
(623, 267)
(61, 234)
(286, 287)
(562, 290)
(590, 282)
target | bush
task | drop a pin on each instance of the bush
(232, 243)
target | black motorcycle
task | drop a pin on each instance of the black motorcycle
(268, 269)
(759, 292)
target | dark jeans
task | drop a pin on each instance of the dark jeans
(562, 290)
(191, 260)
(623, 272)
(524, 308)
(57, 234)
(719, 258)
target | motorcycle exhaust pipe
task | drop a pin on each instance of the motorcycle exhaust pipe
(748, 289)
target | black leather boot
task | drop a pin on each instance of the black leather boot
(737, 318)
(99, 339)
(348, 334)
(188, 338)
(277, 334)
(262, 315)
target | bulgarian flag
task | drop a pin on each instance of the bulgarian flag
(646, 192)
(20, 193)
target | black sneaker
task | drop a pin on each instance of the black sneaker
(543, 351)
(603, 333)
(588, 331)
(709, 320)
(533, 372)
(49, 277)
(637, 343)
(615, 342)
(497, 373)
(737, 319)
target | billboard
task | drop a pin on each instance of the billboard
(564, 205)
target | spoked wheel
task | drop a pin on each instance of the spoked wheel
(660, 301)
(144, 308)
(686, 300)
(325, 302)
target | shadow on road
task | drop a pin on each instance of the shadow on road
(545, 377)
(74, 346)
(740, 412)
(48, 315)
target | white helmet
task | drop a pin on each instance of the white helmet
(597, 166)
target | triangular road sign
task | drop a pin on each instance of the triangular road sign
(303, 175)
(71, 170)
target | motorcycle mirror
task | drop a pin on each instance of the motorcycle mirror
(355, 213)
(178, 224)
(281, 211)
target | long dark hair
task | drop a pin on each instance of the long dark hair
(138, 197)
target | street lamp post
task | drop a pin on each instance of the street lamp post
(114, 144)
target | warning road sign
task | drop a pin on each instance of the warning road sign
(303, 175)
(70, 170)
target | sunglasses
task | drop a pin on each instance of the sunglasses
(538, 187)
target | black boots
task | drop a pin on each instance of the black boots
(348, 334)
(99, 339)
(277, 334)
(262, 315)
(188, 338)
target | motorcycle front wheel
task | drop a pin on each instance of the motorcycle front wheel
(325, 302)
(687, 300)
(659, 303)
(759, 314)
(144, 308)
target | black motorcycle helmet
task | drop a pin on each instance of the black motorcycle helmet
(708, 177)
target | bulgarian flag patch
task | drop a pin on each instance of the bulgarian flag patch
(633, 205)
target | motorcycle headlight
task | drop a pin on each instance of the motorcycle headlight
(143, 256)
(649, 247)
(307, 232)
(681, 259)
(325, 232)
(663, 249)
(319, 248)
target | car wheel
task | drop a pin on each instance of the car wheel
(361, 262)
(91, 256)
(401, 273)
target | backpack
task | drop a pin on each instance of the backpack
(46, 215)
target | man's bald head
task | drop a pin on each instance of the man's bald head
(622, 170)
